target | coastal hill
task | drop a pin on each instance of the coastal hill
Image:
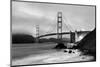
(22, 38)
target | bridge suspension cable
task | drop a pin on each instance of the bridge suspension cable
(68, 25)
(52, 29)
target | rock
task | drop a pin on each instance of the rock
(70, 51)
(65, 51)
(60, 46)
(88, 44)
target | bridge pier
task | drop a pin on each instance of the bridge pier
(72, 37)
(76, 36)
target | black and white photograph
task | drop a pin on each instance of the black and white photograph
(52, 33)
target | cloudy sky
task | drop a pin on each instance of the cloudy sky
(26, 15)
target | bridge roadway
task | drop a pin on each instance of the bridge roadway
(63, 33)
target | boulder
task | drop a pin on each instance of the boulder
(60, 46)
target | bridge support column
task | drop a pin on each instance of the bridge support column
(76, 36)
(72, 37)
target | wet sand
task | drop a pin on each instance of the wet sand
(52, 56)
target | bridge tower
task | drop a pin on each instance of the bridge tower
(59, 25)
(37, 33)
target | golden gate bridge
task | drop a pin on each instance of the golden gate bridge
(74, 35)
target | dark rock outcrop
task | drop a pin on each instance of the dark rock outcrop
(88, 44)
(60, 46)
